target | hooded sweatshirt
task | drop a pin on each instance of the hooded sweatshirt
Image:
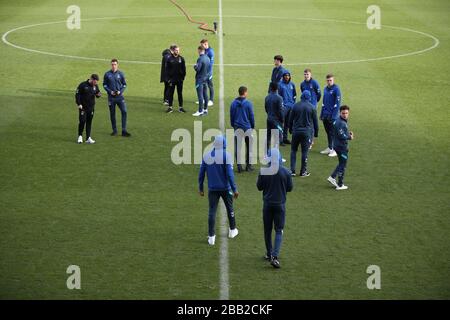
(331, 102)
(241, 114)
(314, 88)
(303, 116)
(217, 165)
(275, 187)
(287, 91)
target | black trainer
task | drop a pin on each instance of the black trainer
(169, 109)
(239, 167)
(267, 257)
(305, 174)
(275, 263)
(249, 167)
(287, 141)
(126, 134)
(181, 110)
(114, 133)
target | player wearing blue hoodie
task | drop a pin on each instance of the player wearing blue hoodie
(313, 87)
(330, 112)
(303, 125)
(278, 70)
(286, 89)
(242, 117)
(210, 53)
(217, 165)
(201, 77)
(274, 109)
(274, 187)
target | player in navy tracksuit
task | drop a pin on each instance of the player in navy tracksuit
(217, 165)
(275, 187)
(242, 117)
(210, 53)
(115, 84)
(201, 78)
(278, 70)
(341, 137)
(286, 89)
(274, 109)
(312, 86)
(330, 111)
(303, 125)
(163, 77)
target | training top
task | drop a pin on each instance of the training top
(201, 68)
(274, 107)
(303, 118)
(288, 92)
(313, 87)
(275, 186)
(210, 53)
(241, 114)
(341, 135)
(114, 81)
(331, 103)
(86, 94)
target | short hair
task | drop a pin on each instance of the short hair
(201, 48)
(344, 107)
(330, 75)
(273, 86)
(279, 58)
(114, 60)
(203, 40)
(173, 46)
(94, 76)
(242, 90)
(307, 70)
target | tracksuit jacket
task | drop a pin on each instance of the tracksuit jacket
(241, 114)
(331, 102)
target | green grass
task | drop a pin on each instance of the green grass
(133, 221)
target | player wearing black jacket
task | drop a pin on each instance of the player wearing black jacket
(176, 72)
(85, 96)
(163, 77)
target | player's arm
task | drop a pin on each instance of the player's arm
(123, 83)
(106, 84)
(318, 93)
(78, 97)
(201, 178)
(251, 115)
(289, 184)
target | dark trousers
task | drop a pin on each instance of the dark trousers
(273, 218)
(120, 102)
(287, 114)
(328, 125)
(213, 198)
(304, 140)
(340, 168)
(238, 151)
(171, 92)
(202, 95)
(272, 124)
(211, 88)
(166, 91)
(85, 118)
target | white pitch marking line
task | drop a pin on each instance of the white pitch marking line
(224, 293)
(435, 41)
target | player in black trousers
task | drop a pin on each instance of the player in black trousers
(176, 72)
(85, 96)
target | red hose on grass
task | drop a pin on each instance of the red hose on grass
(202, 25)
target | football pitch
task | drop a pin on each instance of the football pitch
(134, 222)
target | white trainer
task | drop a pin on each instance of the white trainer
(80, 139)
(332, 153)
(90, 141)
(210, 103)
(197, 114)
(233, 233)
(205, 112)
(332, 181)
(196, 102)
(211, 240)
(343, 187)
(283, 160)
(325, 151)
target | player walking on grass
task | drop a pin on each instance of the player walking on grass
(313, 87)
(330, 112)
(210, 53)
(340, 139)
(115, 84)
(85, 96)
(303, 125)
(274, 188)
(201, 77)
(217, 165)
(176, 72)
(242, 117)
(286, 89)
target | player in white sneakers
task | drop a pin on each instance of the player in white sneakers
(85, 96)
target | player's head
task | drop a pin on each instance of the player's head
(94, 79)
(286, 77)
(344, 110)
(307, 73)
(201, 50)
(330, 79)
(204, 43)
(278, 60)
(175, 50)
(242, 91)
(273, 87)
(114, 64)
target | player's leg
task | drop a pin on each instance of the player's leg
(89, 117)
(227, 198)
(343, 157)
(268, 225)
(294, 148)
(112, 115)
(213, 199)
(305, 143)
(180, 94)
(123, 109)
(81, 123)
(170, 93)
(205, 97)
(279, 219)
(286, 126)
(211, 90)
